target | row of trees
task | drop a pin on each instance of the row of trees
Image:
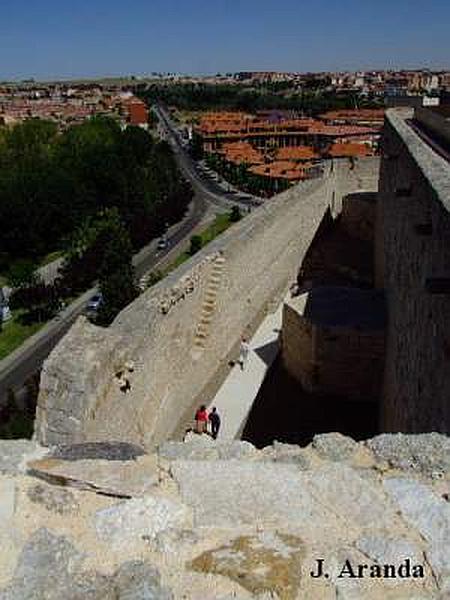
(202, 96)
(96, 192)
(50, 183)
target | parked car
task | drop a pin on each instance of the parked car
(162, 244)
(94, 303)
(5, 313)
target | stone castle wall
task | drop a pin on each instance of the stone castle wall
(412, 247)
(79, 395)
(336, 360)
(358, 215)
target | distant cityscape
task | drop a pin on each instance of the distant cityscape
(72, 101)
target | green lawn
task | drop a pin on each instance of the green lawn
(14, 333)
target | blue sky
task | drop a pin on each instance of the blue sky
(50, 38)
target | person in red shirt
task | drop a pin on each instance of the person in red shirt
(201, 420)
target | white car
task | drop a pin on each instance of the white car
(94, 303)
(162, 244)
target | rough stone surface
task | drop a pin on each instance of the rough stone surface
(53, 498)
(124, 479)
(136, 580)
(98, 451)
(7, 499)
(385, 549)
(250, 525)
(50, 568)
(12, 453)
(223, 502)
(334, 446)
(430, 514)
(428, 453)
(359, 501)
(172, 540)
(138, 518)
(268, 562)
(197, 447)
(43, 569)
(203, 447)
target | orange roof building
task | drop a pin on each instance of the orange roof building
(297, 153)
(348, 150)
(241, 152)
(361, 116)
(281, 170)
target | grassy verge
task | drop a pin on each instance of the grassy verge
(14, 333)
(218, 226)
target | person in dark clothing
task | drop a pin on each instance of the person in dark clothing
(214, 419)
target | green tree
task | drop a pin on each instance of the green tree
(22, 273)
(116, 280)
(235, 214)
(196, 244)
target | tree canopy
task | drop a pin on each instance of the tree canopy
(51, 182)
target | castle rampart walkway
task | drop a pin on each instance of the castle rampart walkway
(235, 398)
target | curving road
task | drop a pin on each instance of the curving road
(210, 189)
(16, 368)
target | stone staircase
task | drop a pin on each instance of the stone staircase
(209, 304)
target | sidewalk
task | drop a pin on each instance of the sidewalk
(235, 398)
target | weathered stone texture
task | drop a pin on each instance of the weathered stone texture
(54, 499)
(124, 479)
(131, 520)
(12, 453)
(267, 562)
(51, 568)
(430, 514)
(333, 341)
(412, 245)
(428, 453)
(358, 215)
(249, 526)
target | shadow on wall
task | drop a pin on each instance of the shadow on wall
(285, 412)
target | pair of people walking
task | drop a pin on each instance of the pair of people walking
(202, 418)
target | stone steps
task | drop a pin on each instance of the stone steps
(209, 305)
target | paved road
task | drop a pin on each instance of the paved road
(213, 192)
(21, 364)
